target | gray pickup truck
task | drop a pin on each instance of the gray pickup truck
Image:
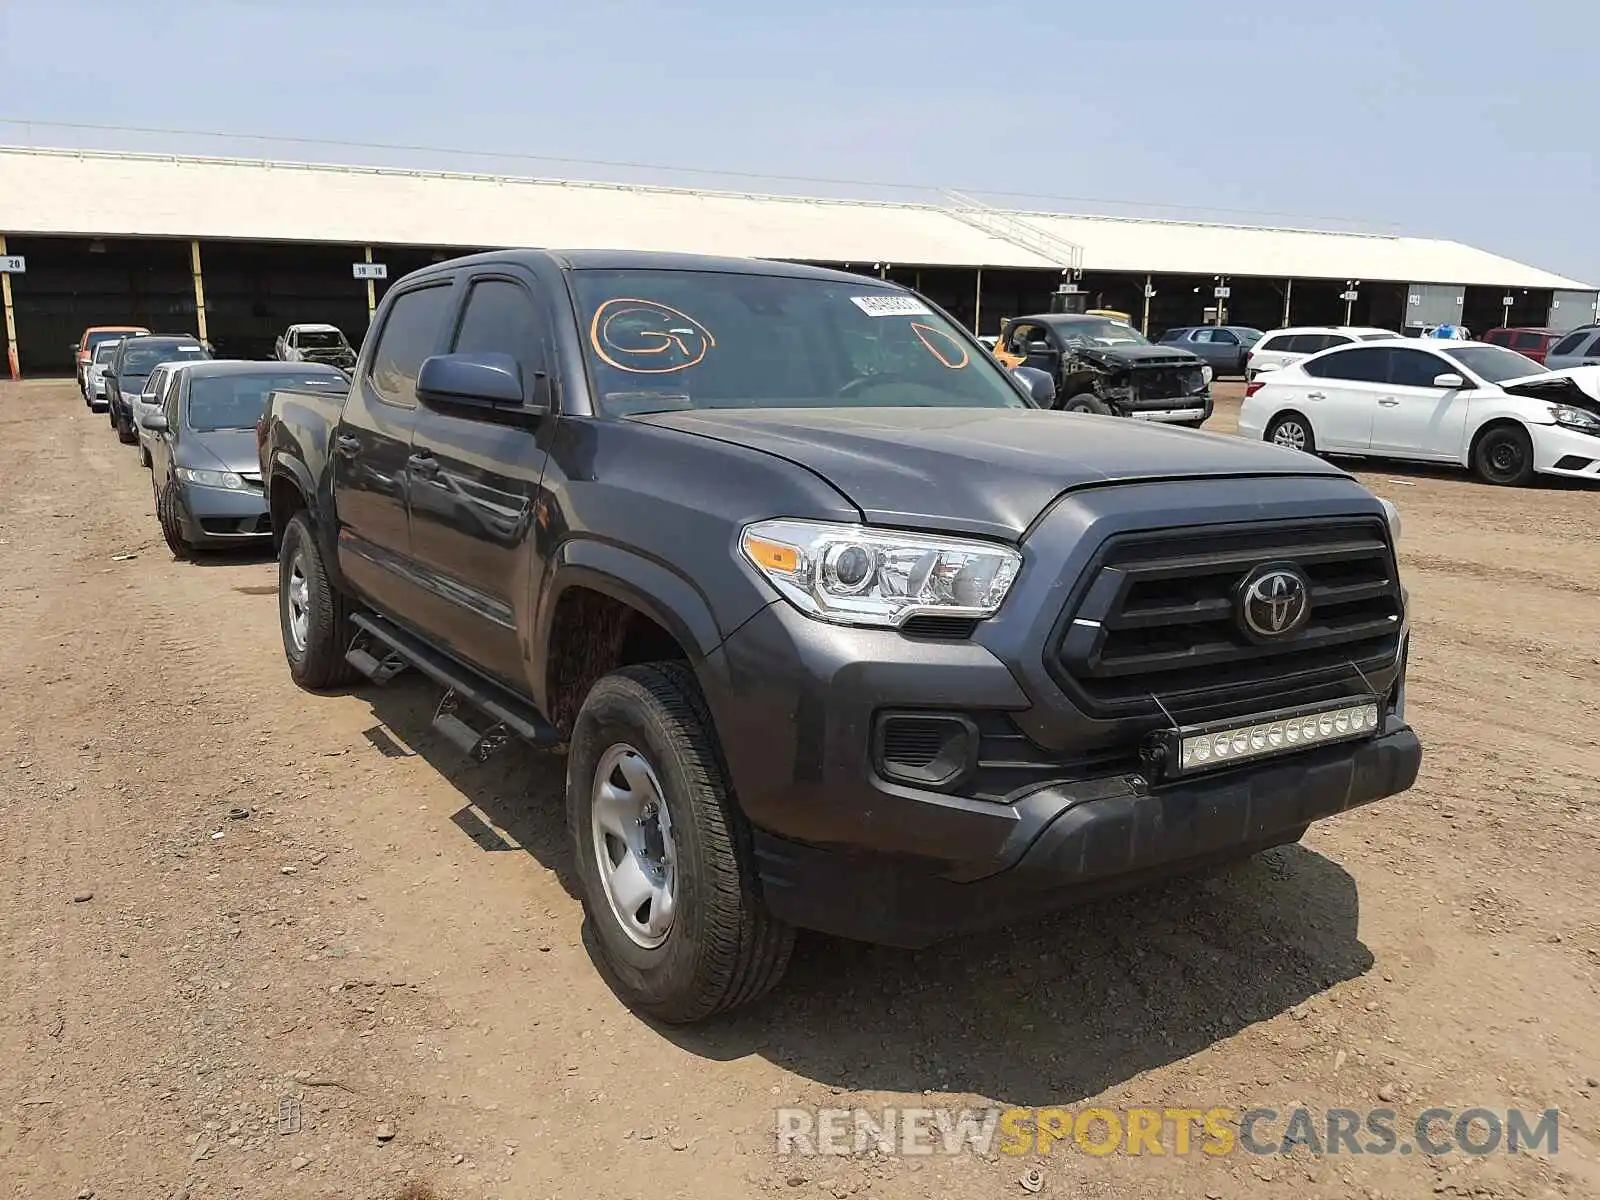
(840, 629)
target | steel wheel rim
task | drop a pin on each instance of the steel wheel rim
(634, 851)
(299, 596)
(1291, 434)
(1505, 457)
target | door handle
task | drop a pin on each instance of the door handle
(346, 446)
(1316, 396)
(1389, 402)
(423, 464)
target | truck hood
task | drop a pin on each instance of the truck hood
(1133, 355)
(1576, 386)
(984, 471)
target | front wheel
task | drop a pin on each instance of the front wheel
(663, 856)
(167, 517)
(1293, 432)
(313, 614)
(1504, 456)
(1087, 402)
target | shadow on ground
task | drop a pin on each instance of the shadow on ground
(1045, 1012)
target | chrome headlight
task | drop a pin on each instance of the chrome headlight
(1580, 419)
(216, 479)
(1391, 514)
(1207, 374)
(854, 575)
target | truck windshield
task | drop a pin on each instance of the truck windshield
(1101, 333)
(658, 340)
(320, 339)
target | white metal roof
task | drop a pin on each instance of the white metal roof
(70, 192)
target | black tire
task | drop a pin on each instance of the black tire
(167, 516)
(1503, 455)
(722, 948)
(1087, 402)
(126, 433)
(1284, 426)
(316, 660)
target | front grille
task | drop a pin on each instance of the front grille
(1167, 383)
(1155, 617)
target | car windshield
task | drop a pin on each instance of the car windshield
(319, 339)
(1493, 362)
(236, 401)
(658, 340)
(1100, 333)
(106, 351)
(99, 337)
(142, 359)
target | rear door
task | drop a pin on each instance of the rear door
(372, 442)
(1343, 396)
(1415, 419)
(473, 480)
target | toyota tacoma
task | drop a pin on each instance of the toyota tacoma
(840, 630)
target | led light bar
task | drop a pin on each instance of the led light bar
(1221, 744)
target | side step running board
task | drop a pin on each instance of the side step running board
(511, 714)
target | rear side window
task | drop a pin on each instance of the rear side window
(410, 334)
(1570, 343)
(1278, 341)
(1174, 335)
(1364, 364)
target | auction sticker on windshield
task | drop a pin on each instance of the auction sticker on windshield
(891, 306)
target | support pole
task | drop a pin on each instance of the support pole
(199, 289)
(11, 320)
(372, 294)
(977, 306)
(1149, 285)
(1288, 295)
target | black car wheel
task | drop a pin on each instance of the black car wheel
(313, 615)
(126, 433)
(663, 856)
(1087, 402)
(1504, 456)
(167, 517)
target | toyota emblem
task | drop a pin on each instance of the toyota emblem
(1274, 602)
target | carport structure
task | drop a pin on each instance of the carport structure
(236, 250)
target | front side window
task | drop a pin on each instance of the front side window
(1415, 368)
(500, 319)
(410, 334)
(1363, 364)
(1567, 345)
(659, 340)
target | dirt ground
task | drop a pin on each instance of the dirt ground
(259, 943)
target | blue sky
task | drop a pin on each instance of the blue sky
(1467, 120)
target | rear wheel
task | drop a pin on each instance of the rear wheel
(663, 856)
(1293, 431)
(1504, 456)
(1087, 402)
(313, 614)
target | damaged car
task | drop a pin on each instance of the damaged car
(1105, 366)
(315, 343)
(1478, 406)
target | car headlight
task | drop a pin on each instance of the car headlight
(1207, 374)
(1575, 418)
(853, 575)
(1391, 514)
(216, 479)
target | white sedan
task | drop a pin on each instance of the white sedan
(1479, 406)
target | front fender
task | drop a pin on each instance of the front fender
(652, 587)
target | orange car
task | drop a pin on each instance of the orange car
(91, 338)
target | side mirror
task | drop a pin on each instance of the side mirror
(1039, 348)
(154, 422)
(489, 381)
(1450, 380)
(1038, 384)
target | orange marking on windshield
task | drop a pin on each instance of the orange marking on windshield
(924, 332)
(654, 329)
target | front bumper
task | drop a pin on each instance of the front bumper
(843, 849)
(1561, 451)
(220, 516)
